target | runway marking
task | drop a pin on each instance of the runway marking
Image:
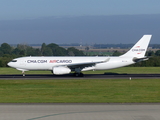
(36, 118)
(62, 114)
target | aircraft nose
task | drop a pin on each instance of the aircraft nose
(9, 64)
(12, 63)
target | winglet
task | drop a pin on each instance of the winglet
(140, 48)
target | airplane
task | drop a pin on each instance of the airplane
(65, 65)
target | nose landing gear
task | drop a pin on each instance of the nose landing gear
(23, 73)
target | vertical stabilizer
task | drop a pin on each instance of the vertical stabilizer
(140, 48)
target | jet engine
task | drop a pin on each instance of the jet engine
(61, 70)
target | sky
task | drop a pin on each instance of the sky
(29, 9)
(78, 21)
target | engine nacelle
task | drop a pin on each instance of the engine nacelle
(61, 70)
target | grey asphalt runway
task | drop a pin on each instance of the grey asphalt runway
(80, 111)
(86, 76)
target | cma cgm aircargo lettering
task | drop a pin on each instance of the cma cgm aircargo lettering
(140, 50)
(60, 61)
(36, 61)
(65, 65)
(51, 61)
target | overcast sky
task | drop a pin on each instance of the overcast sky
(24, 9)
(78, 21)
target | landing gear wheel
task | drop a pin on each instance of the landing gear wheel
(78, 74)
(23, 73)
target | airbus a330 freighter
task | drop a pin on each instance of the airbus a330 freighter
(65, 65)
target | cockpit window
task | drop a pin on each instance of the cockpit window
(14, 61)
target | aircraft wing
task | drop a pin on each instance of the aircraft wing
(85, 64)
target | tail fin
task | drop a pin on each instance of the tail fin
(140, 48)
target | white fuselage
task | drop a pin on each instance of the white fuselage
(48, 63)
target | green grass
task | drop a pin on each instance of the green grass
(8, 70)
(127, 70)
(80, 91)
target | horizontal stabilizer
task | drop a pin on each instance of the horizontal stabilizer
(140, 59)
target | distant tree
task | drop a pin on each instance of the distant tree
(43, 48)
(37, 52)
(53, 46)
(57, 50)
(30, 51)
(1, 63)
(22, 46)
(70, 53)
(22, 53)
(4, 60)
(1, 53)
(47, 52)
(75, 51)
(116, 53)
(157, 53)
(6, 48)
(150, 53)
(16, 51)
(23, 49)
(87, 48)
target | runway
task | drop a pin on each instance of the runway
(86, 76)
(80, 111)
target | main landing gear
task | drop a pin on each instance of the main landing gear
(78, 74)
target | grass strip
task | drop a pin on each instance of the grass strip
(80, 91)
(126, 70)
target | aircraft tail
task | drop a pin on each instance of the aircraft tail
(140, 48)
